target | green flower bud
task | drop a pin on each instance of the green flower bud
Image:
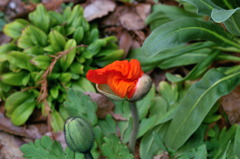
(79, 135)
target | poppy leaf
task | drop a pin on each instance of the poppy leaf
(198, 100)
(181, 32)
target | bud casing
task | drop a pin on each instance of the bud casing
(79, 134)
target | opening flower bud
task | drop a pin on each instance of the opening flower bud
(121, 80)
(79, 135)
(143, 86)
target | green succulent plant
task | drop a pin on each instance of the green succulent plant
(49, 53)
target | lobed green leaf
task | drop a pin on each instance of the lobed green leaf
(114, 149)
(43, 148)
(79, 104)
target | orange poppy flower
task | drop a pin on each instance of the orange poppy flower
(122, 77)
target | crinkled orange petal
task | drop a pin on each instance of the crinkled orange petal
(121, 76)
(121, 87)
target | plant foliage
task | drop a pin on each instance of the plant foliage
(179, 118)
(49, 53)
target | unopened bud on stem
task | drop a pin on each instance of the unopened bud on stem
(79, 135)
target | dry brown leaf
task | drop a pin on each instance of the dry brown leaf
(58, 136)
(3, 4)
(113, 18)
(9, 147)
(4, 39)
(132, 21)
(105, 106)
(136, 44)
(133, 18)
(231, 105)
(143, 10)
(5, 125)
(52, 4)
(98, 9)
(125, 42)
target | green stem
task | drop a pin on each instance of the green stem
(132, 141)
(88, 155)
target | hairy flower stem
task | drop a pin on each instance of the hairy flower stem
(88, 155)
(132, 141)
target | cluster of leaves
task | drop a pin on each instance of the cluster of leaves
(166, 46)
(157, 133)
(182, 37)
(80, 105)
(179, 119)
(47, 54)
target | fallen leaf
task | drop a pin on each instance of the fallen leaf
(125, 42)
(132, 21)
(113, 18)
(52, 4)
(9, 147)
(3, 4)
(31, 132)
(98, 9)
(143, 10)
(231, 105)
(140, 35)
(4, 39)
(136, 44)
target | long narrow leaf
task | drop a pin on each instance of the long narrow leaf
(197, 103)
(204, 6)
(198, 70)
(171, 53)
(183, 31)
(236, 148)
(230, 18)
